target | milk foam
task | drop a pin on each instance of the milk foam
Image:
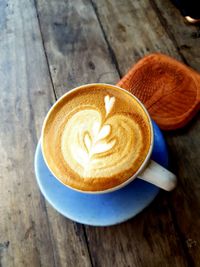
(94, 140)
(92, 144)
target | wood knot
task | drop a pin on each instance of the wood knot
(4, 245)
(184, 47)
(191, 243)
(91, 65)
(195, 35)
(121, 27)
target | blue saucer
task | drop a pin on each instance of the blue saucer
(104, 209)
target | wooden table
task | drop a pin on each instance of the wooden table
(47, 48)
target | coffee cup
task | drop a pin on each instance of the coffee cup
(98, 137)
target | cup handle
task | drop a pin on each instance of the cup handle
(159, 176)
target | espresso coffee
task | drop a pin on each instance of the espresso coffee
(96, 137)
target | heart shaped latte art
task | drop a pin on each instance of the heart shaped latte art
(94, 145)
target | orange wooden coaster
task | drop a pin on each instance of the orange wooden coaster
(169, 89)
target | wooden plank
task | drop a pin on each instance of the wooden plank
(186, 37)
(136, 31)
(150, 239)
(28, 237)
(184, 145)
(75, 47)
(77, 53)
(133, 30)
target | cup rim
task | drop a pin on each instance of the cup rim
(144, 163)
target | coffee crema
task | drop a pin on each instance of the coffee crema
(96, 137)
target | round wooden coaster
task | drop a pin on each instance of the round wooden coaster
(169, 89)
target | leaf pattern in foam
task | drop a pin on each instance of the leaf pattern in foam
(102, 147)
(93, 141)
(105, 130)
(87, 141)
(95, 128)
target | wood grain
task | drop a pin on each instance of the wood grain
(143, 241)
(169, 89)
(81, 47)
(74, 43)
(185, 37)
(183, 145)
(136, 242)
(132, 29)
(31, 233)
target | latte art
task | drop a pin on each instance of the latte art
(96, 139)
(90, 140)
